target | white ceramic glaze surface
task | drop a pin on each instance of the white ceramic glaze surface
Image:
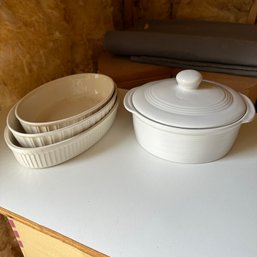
(185, 145)
(189, 102)
(63, 101)
(51, 155)
(55, 136)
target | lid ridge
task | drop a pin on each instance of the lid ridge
(206, 105)
(222, 104)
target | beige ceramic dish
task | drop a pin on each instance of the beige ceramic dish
(55, 136)
(63, 101)
(50, 155)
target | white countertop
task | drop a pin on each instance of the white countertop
(122, 201)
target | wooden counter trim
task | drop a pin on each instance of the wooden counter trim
(52, 233)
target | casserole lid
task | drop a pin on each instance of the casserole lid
(189, 102)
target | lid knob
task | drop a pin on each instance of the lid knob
(189, 79)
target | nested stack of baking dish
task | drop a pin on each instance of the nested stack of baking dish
(61, 119)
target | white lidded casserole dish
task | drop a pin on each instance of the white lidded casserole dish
(50, 155)
(63, 101)
(55, 136)
(187, 119)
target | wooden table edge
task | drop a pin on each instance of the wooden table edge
(51, 233)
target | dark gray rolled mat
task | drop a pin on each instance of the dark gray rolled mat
(195, 27)
(201, 48)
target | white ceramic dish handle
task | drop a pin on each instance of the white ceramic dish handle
(128, 101)
(251, 112)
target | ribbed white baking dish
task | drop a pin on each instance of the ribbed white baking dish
(55, 136)
(47, 156)
(64, 101)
